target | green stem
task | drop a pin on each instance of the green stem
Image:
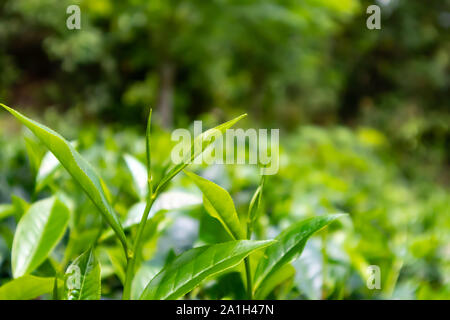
(249, 278)
(248, 270)
(131, 264)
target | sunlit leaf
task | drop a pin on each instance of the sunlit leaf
(170, 200)
(82, 278)
(139, 174)
(78, 168)
(26, 288)
(281, 275)
(188, 270)
(38, 232)
(200, 143)
(290, 243)
(218, 204)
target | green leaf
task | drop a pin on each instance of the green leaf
(38, 232)
(218, 204)
(285, 273)
(34, 152)
(47, 168)
(169, 200)
(289, 245)
(82, 278)
(78, 168)
(255, 202)
(118, 262)
(20, 206)
(200, 143)
(139, 174)
(141, 279)
(6, 210)
(193, 266)
(148, 150)
(26, 288)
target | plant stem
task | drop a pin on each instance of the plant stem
(248, 270)
(249, 278)
(131, 263)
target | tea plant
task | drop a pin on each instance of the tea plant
(42, 225)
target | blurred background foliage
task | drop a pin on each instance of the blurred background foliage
(364, 118)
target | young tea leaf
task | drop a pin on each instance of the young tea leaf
(26, 288)
(289, 245)
(148, 152)
(218, 204)
(255, 203)
(38, 232)
(169, 200)
(189, 269)
(6, 210)
(200, 143)
(285, 273)
(78, 168)
(82, 278)
(139, 174)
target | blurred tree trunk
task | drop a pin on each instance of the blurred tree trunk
(166, 92)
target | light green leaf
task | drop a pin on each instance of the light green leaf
(255, 203)
(26, 288)
(170, 200)
(139, 174)
(281, 275)
(141, 279)
(200, 143)
(118, 262)
(6, 210)
(218, 204)
(189, 269)
(78, 168)
(20, 206)
(148, 153)
(289, 245)
(38, 232)
(34, 152)
(82, 278)
(48, 166)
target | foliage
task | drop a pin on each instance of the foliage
(40, 228)
(363, 118)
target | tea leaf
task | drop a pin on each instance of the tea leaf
(139, 174)
(34, 153)
(254, 206)
(38, 232)
(148, 152)
(141, 279)
(82, 278)
(200, 143)
(26, 288)
(279, 276)
(48, 166)
(6, 210)
(218, 204)
(290, 244)
(170, 200)
(78, 168)
(195, 265)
